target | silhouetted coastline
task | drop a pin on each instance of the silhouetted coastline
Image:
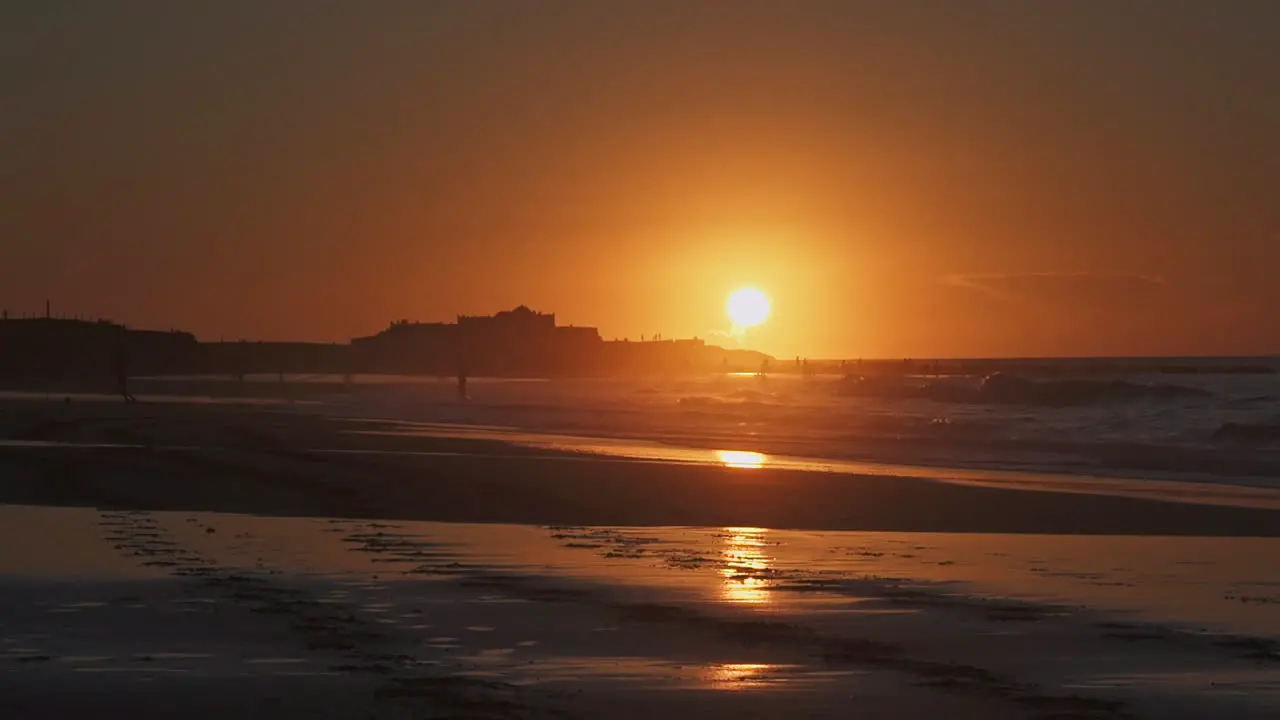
(513, 343)
(46, 351)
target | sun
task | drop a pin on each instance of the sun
(748, 307)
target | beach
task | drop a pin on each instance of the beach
(627, 360)
(280, 560)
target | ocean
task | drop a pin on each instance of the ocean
(1087, 417)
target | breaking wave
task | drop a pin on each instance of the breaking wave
(1005, 389)
(1219, 427)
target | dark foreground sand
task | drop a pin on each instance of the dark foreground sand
(126, 591)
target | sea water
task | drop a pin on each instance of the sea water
(1201, 426)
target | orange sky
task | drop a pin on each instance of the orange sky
(902, 178)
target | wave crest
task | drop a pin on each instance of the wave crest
(1005, 389)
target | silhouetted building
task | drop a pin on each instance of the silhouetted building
(512, 342)
(510, 323)
(523, 342)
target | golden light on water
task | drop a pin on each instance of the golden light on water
(746, 569)
(748, 307)
(741, 459)
(738, 676)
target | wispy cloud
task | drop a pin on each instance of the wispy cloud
(1078, 287)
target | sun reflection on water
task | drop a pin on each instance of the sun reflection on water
(738, 676)
(741, 458)
(746, 570)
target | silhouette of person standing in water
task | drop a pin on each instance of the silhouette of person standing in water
(462, 382)
(122, 375)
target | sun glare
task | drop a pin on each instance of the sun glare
(741, 458)
(748, 307)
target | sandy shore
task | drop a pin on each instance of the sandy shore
(126, 585)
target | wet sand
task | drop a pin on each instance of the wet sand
(245, 459)
(891, 597)
(141, 612)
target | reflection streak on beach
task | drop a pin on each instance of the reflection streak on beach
(741, 458)
(746, 567)
(738, 676)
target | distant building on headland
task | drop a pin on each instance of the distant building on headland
(522, 342)
(512, 343)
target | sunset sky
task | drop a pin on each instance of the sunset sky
(949, 178)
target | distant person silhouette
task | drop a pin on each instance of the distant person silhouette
(462, 383)
(122, 377)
